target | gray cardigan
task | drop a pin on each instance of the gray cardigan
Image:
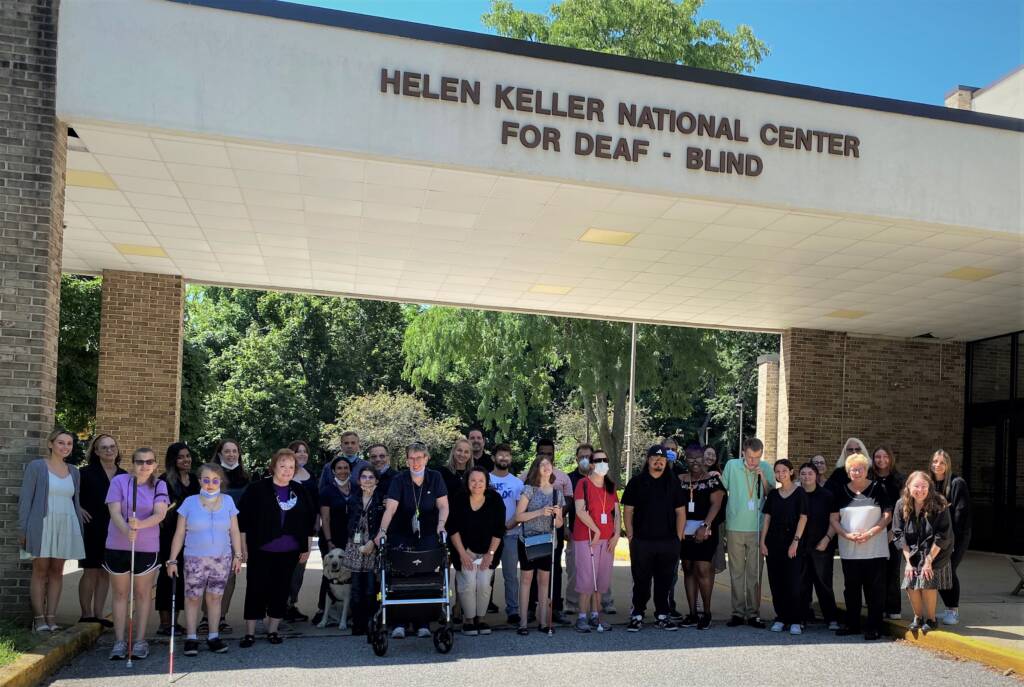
(32, 502)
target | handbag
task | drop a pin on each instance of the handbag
(538, 546)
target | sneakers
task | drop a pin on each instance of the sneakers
(483, 628)
(191, 647)
(778, 626)
(663, 622)
(140, 649)
(592, 621)
(560, 618)
(216, 645)
(294, 615)
(398, 633)
(119, 651)
(689, 621)
(608, 609)
(795, 629)
(735, 621)
(756, 622)
(603, 627)
(635, 623)
(582, 626)
(676, 617)
(492, 607)
(469, 629)
(951, 617)
(423, 632)
(894, 616)
(317, 617)
(833, 625)
(703, 621)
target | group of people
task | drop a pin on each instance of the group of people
(188, 532)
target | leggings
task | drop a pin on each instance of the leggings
(951, 596)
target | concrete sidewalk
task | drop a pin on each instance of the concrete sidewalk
(990, 617)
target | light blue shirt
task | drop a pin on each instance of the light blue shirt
(207, 533)
(509, 488)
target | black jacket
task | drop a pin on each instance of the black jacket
(259, 516)
(920, 533)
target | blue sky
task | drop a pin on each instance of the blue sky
(908, 49)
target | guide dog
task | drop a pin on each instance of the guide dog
(339, 591)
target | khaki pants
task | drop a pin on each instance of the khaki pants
(744, 564)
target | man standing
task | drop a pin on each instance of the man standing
(509, 487)
(350, 452)
(654, 514)
(480, 456)
(747, 483)
(381, 462)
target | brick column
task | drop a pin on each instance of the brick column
(768, 404)
(905, 393)
(138, 395)
(32, 162)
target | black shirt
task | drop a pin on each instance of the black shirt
(921, 531)
(477, 527)
(785, 512)
(701, 491)
(959, 505)
(411, 498)
(485, 461)
(337, 505)
(654, 503)
(574, 477)
(819, 512)
(454, 480)
(93, 497)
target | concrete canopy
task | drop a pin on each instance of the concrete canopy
(261, 151)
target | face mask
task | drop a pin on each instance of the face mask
(584, 464)
(209, 494)
(228, 466)
(417, 473)
(340, 482)
(670, 455)
(601, 469)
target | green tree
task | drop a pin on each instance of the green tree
(660, 30)
(78, 352)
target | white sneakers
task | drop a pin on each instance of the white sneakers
(795, 629)
(951, 617)
(422, 632)
(833, 626)
(398, 633)
(778, 626)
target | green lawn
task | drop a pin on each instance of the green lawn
(15, 639)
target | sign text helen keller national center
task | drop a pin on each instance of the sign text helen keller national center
(625, 114)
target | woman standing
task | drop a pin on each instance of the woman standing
(954, 489)
(883, 470)
(208, 530)
(539, 511)
(104, 463)
(924, 532)
(835, 482)
(228, 454)
(137, 503)
(785, 517)
(50, 526)
(595, 534)
(861, 512)
(333, 501)
(460, 460)
(277, 517)
(476, 528)
(820, 550)
(312, 487)
(705, 497)
(181, 484)
(365, 510)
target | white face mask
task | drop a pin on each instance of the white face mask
(584, 464)
(600, 469)
(228, 466)
(340, 482)
(209, 494)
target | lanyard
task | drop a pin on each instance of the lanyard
(755, 483)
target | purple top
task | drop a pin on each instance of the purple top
(285, 542)
(148, 539)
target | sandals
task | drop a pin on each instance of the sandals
(522, 631)
(274, 638)
(247, 641)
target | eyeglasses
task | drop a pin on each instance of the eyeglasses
(109, 447)
(151, 461)
(211, 480)
(366, 477)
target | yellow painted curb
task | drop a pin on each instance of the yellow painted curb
(45, 658)
(960, 646)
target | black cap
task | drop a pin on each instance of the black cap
(656, 450)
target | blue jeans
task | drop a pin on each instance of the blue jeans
(510, 572)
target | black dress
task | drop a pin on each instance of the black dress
(699, 492)
(177, 493)
(93, 496)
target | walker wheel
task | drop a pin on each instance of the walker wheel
(443, 639)
(380, 642)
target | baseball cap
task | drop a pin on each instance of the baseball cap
(656, 450)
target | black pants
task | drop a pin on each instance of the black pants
(864, 576)
(652, 561)
(163, 580)
(951, 596)
(891, 579)
(363, 599)
(268, 579)
(818, 577)
(785, 576)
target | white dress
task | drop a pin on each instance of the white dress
(62, 533)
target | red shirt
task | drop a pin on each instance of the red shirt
(598, 501)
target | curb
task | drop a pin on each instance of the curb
(33, 667)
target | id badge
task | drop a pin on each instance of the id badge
(604, 518)
(357, 538)
(691, 507)
(751, 505)
(416, 524)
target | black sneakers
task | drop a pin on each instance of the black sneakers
(663, 622)
(703, 621)
(635, 623)
(216, 645)
(689, 621)
(191, 647)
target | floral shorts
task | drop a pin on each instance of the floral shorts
(206, 574)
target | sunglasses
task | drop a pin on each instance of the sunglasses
(211, 480)
(598, 460)
(151, 461)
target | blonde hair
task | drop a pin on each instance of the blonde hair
(857, 459)
(283, 454)
(451, 455)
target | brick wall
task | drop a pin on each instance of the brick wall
(32, 153)
(905, 393)
(138, 393)
(768, 403)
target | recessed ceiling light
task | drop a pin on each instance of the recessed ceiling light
(78, 177)
(552, 289)
(971, 273)
(847, 314)
(608, 237)
(142, 251)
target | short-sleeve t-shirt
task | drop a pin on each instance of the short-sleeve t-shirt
(537, 499)
(819, 509)
(413, 498)
(785, 512)
(509, 488)
(746, 494)
(598, 502)
(699, 492)
(859, 512)
(148, 539)
(654, 503)
(207, 533)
